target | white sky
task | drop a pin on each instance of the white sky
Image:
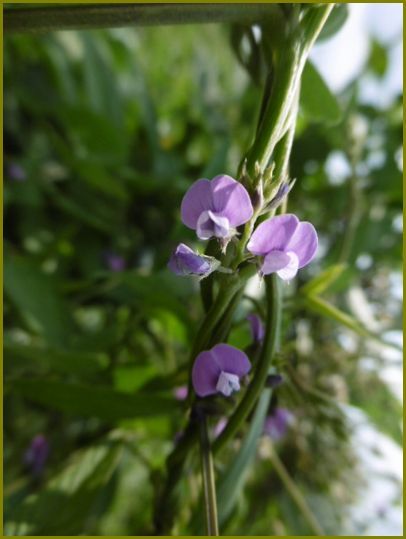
(341, 58)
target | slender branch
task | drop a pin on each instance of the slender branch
(272, 329)
(289, 70)
(209, 485)
(295, 494)
(87, 16)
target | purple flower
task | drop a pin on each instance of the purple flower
(114, 262)
(16, 172)
(184, 261)
(216, 207)
(220, 426)
(219, 370)
(37, 454)
(180, 393)
(257, 327)
(285, 243)
(277, 424)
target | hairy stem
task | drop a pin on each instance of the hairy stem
(272, 328)
(209, 485)
(87, 16)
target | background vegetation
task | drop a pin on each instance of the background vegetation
(104, 131)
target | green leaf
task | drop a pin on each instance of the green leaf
(36, 296)
(323, 307)
(335, 22)
(323, 281)
(93, 401)
(232, 481)
(317, 101)
(65, 503)
(31, 357)
(378, 59)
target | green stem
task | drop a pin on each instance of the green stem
(295, 494)
(288, 72)
(209, 485)
(87, 16)
(272, 328)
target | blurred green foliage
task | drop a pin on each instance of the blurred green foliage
(109, 128)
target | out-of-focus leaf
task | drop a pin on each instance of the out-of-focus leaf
(94, 401)
(65, 503)
(232, 481)
(378, 59)
(318, 103)
(36, 296)
(31, 357)
(100, 81)
(323, 281)
(335, 22)
(323, 307)
(131, 378)
(161, 290)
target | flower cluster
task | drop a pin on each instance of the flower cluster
(214, 209)
(282, 245)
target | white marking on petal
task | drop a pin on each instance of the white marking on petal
(221, 225)
(227, 383)
(289, 271)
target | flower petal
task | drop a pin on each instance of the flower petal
(273, 234)
(184, 261)
(230, 359)
(289, 271)
(257, 327)
(197, 199)
(205, 374)
(304, 243)
(231, 200)
(275, 261)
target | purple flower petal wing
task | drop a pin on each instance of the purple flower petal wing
(231, 200)
(205, 374)
(257, 327)
(197, 199)
(275, 261)
(230, 359)
(273, 234)
(304, 243)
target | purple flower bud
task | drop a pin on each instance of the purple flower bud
(180, 393)
(277, 424)
(16, 172)
(283, 191)
(184, 261)
(285, 243)
(257, 327)
(114, 262)
(219, 370)
(215, 208)
(220, 426)
(37, 454)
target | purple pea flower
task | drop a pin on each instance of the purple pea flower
(114, 261)
(216, 207)
(37, 454)
(219, 370)
(219, 427)
(257, 327)
(277, 424)
(184, 261)
(286, 244)
(16, 172)
(180, 393)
